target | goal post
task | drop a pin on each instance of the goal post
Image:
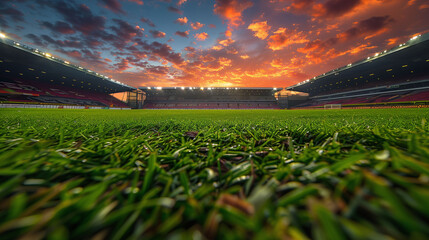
(332, 106)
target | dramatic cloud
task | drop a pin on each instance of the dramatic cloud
(182, 21)
(231, 10)
(226, 42)
(62, 44)
(260, 29)
(113, 5)
(79, 16)
(157, 34)
(157, 49)
(122, 65)
(284, 37)
(175, 10)
(59, 27)
(254, 43)
(201, 36)
(35, 40)
(125, 31)
(328, 9)
(13, 13)
(197, 25)
(182, 34)
(147, 21)
(180, 2)
(139, 2)
(368, 27)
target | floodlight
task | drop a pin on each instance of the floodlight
(2, 35)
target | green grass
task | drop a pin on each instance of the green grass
(320, 174)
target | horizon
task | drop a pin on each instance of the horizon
(272, 44)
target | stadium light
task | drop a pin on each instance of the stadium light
(183, 88)
(2, 35)
(48, 55)
(148, 88)
(202, 89)
(275, 89)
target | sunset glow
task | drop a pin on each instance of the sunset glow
(221, 43)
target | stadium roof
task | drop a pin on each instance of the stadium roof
(16, 58)
(414, 53)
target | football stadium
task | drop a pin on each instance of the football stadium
(342, 155)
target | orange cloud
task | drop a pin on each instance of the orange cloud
(180, 2)
(201, 36)
(244, 56)
(226, 42)
(284, 37)
(260, 29)
(228, 33)
(231, 10)
(197, 25)
(182, 21)
(139, 2)
(392, 41)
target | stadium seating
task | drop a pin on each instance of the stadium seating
(26, 91)
(212, 105)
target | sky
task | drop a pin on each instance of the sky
(213, 43)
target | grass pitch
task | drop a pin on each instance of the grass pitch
(100, 174)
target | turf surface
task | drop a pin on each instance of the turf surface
(320, 174)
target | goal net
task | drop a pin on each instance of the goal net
(332, 106)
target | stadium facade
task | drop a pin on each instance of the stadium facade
(395, 77)
(209, 98)
(32, 78)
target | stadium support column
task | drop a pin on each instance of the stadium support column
(135, 99)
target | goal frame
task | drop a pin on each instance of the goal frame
(332, 106)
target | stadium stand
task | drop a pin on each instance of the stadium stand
(209, 98)
(397, 77)
(29, 76)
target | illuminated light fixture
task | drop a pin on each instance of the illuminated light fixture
(368, 58)
(183, 88)
(158, 88)
(2, 35)
(413, 38)
(66, 62)
(236, 88)
(17, 44)
(47, 55)
(202, 89)
(275, 89)
(375, 55)
(349, 65)
(80, 67)
(190, 88)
